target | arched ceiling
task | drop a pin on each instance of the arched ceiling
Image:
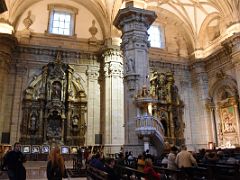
(192, 14)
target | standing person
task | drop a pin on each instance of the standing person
(14, 162)
(185, 160)
(171, 158)
(55, 165)
(171, 162)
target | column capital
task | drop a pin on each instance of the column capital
(131, 15)
(92, 74)
(112, 54)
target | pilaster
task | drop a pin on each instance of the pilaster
(200, 92)
(113, 110)
(7, 44)
(93, 96)
(16, 113)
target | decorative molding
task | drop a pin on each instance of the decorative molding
(92, 74)
(172, 66)
(53, 51)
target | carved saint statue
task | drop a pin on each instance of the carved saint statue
(33, 123)
(56, 90)
(75, 121)
(130, 65)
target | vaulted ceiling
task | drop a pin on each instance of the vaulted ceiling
(194, 17)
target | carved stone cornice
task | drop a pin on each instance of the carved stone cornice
(53, 51)
(232, 46)
(172, 66)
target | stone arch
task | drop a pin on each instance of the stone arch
(227, 84)
(203, 30)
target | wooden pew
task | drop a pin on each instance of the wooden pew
(169, 173)
(128, 172)
(220, 171)
(95, 174)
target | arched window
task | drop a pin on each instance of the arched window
(156, 36)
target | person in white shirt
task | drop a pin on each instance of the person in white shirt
(171, 158)
(185, 161)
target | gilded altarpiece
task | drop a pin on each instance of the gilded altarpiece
(54, 107)
(168, 107)
(229, 124)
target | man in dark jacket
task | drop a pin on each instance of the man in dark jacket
(109, 168)
(14, 161)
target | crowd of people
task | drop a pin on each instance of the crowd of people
(176, 158)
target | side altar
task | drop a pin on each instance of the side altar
(160, 112)
(54, 107)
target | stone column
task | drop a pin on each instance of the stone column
(134, 23)
(200, 91)
(7, 44)
(113, 112)
(93, 97)
(16, 114)
(237, 122)
(212, 124)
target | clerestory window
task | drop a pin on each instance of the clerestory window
(156, 36)
(62, 19)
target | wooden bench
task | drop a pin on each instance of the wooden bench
(95, 174)
(126, 172)
(222, 171)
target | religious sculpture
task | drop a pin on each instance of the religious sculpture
(130, 65)
(168, 108)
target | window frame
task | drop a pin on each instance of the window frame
(161, 37)
(62, 8)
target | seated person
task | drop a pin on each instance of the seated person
(109, 168)
(97, 162)
(140, 162)
(149, 171)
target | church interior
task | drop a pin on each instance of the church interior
(120, 74)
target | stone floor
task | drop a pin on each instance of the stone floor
(36, 170)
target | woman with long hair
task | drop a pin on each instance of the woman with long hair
(55, 166)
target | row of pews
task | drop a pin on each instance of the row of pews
(201, 172)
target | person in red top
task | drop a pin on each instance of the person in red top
(151, 174)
